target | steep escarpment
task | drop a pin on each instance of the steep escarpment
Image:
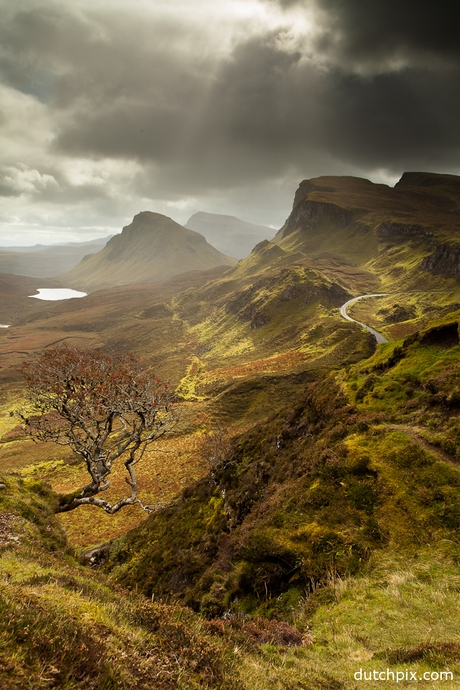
(407, 237)
(309, 215)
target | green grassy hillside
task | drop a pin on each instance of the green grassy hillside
(309, 516)
(65, 626)
(324, 545)
(238, 343)
(365, 459)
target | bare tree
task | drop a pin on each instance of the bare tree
(105, 407)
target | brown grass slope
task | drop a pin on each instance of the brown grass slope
(153, 248)
(15, 292)
(126, 318)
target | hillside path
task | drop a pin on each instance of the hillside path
(411, 431)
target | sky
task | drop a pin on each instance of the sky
(109, 108)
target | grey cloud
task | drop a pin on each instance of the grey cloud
(269, 109)
(122, 130)
(374, 86)
(95, 57)
(407, 31)
(125, 89)
(398, 121)
(383, 27)
(273, 111)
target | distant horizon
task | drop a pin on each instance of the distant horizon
(112, 233)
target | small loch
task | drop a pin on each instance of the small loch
(54, 294)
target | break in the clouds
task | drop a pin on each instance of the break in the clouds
(109, 108)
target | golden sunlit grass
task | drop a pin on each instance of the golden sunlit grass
(61, 628)
(161, 478)
(161, 475)
(270, 364)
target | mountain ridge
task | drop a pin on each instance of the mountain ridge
(46, 261)
(417, 223)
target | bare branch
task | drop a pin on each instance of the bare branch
(103, 407)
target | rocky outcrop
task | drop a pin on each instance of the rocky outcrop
(308, 186)
(444, 260)
(397, 314)
(361, 229)
(389, 230)
(307, 214)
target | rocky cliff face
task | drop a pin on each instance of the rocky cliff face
(307, 214)
(389, 230)
(445, 260)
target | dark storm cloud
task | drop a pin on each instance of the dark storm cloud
(383, 27)
(397, 121)
(269, 108)
(132, 104)
(122, 88)
(378, 29)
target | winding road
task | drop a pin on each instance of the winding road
(343, 310)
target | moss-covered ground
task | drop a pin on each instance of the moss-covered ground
(340, 514)
(66, 626)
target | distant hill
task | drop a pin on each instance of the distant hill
(229, 234)
(152, 248)
(45, 261)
